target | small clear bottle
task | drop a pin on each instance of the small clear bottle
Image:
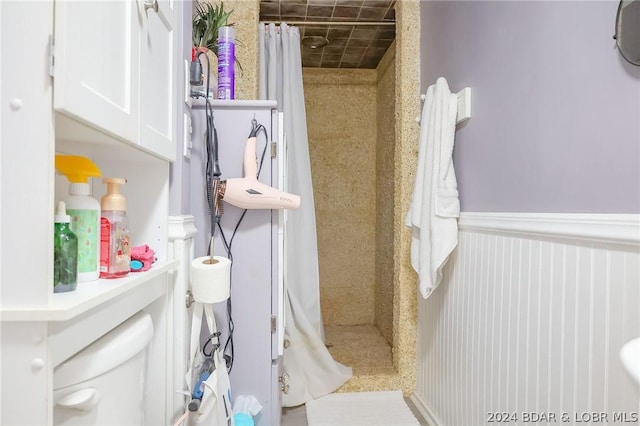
(65, 253)
(115, 254)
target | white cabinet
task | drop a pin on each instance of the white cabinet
(113, 67)
(111, 99)
(157, 79)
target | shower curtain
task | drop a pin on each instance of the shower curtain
(311, 369)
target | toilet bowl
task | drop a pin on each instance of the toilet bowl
(104, 383)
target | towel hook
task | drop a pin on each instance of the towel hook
(464, 105)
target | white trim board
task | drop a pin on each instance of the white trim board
(424, 409)
(618, 229)
(182, 227)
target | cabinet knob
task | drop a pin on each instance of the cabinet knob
(151, 4)
(15, 104)
(37, 364)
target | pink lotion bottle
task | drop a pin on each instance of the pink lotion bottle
(115, 254)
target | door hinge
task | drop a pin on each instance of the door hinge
(273, 324)
(51, 55)
(274, 149)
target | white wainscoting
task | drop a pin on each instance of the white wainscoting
(530, 318)
(181, 231)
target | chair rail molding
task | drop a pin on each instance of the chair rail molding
(619, 229)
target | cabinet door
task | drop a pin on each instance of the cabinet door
(158, 78)
(96, 69)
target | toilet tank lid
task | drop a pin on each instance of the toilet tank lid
(111, 350)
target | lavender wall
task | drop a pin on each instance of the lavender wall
(556, 110)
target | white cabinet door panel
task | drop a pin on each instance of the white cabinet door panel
(96, 69)
(158, 80)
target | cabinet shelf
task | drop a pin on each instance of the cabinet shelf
(87, 296)
(76, 137)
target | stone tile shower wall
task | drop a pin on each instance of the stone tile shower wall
(407, 68)
(386, 127)
(341, 121)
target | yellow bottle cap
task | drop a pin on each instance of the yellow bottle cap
(76, 168)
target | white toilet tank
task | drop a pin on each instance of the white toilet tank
(104, 383)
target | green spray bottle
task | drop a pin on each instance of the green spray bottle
(84, 211)
(65, 253)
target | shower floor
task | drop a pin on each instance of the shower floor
(360, 347)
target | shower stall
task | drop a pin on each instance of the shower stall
(351, 124)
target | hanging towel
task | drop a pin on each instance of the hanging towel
(435, 207)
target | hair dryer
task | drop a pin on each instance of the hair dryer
(248, 192)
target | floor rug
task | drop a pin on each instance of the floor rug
(360, 409)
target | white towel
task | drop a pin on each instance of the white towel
(435, 206)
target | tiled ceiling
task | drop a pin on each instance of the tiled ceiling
(350, 46)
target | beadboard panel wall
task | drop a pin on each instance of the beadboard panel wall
(530, 317)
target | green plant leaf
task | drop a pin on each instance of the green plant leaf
(206, 22)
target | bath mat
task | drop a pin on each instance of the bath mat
(360, 409)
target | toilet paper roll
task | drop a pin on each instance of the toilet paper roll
(210, 282)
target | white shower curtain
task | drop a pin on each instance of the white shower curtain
(311, 369)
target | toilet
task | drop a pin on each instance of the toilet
(104, 383)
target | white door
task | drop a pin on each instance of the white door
(158, 77)
(96, 64)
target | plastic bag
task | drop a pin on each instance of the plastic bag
(245, 408)
(207, 376)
